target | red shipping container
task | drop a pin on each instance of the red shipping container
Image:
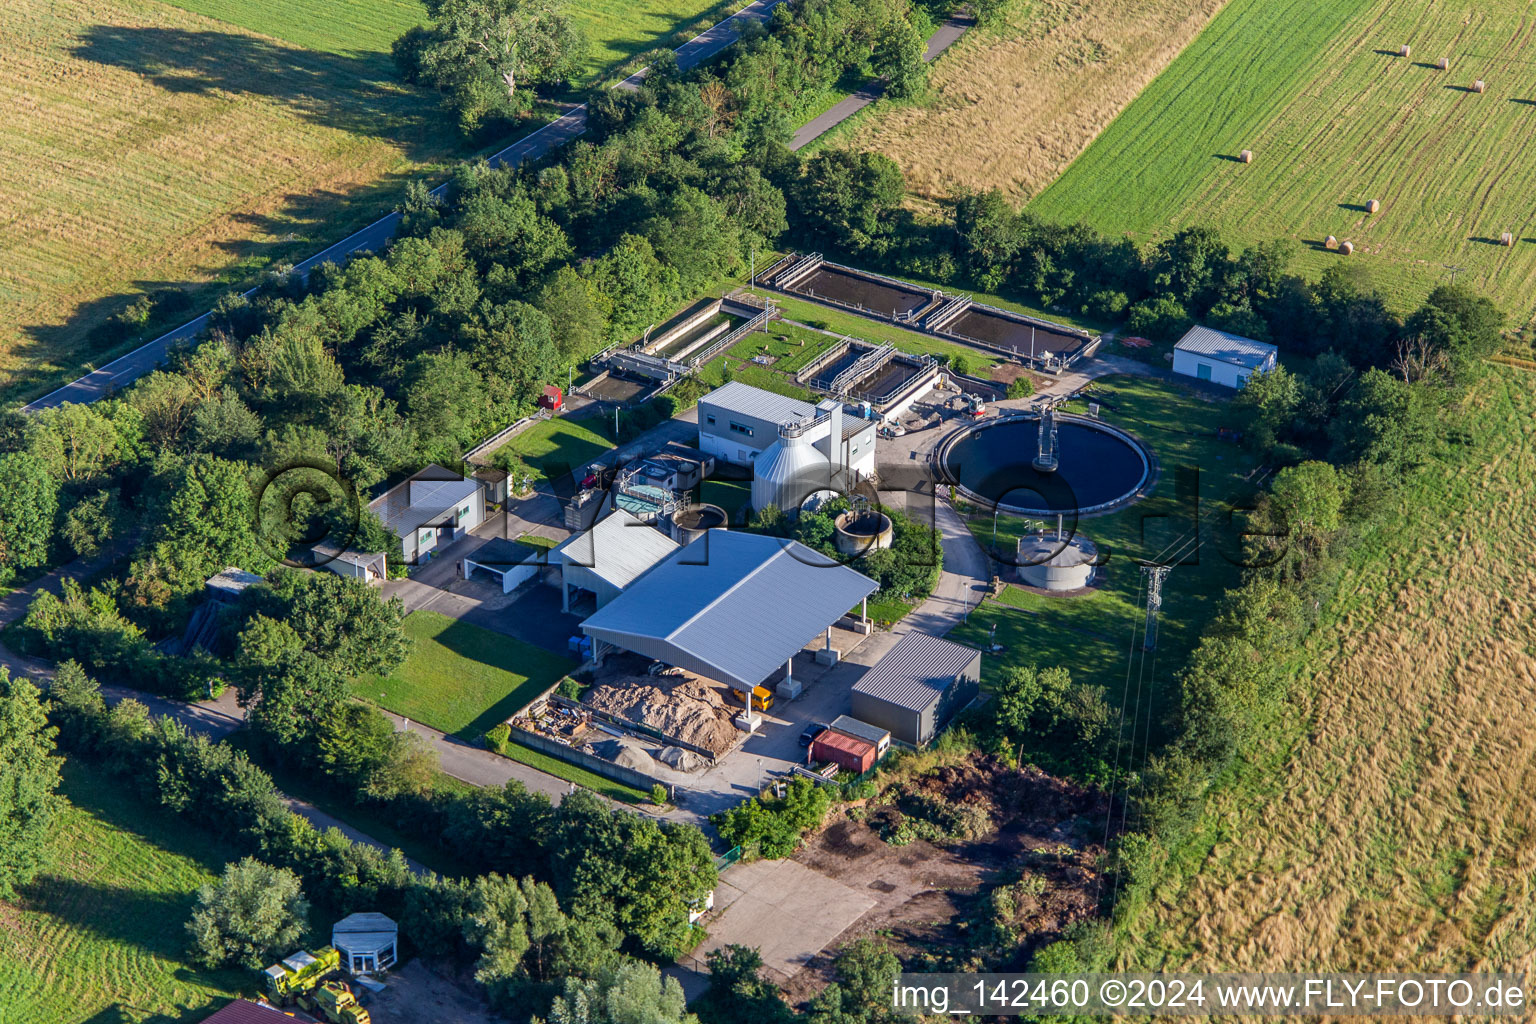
(847, 752)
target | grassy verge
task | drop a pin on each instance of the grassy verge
(103, 927)
(460, 678)
(572, 773)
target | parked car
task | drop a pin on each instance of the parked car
(811, 732)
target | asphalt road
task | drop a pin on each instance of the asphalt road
(945, 36)
(126, 369)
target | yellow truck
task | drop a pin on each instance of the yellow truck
(762, 697)
(306, 979)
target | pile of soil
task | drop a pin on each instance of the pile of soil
(683, 707)
(682, 760)
(620, 754)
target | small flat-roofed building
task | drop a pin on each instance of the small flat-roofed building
(734, 607)
(877, 735)
(227, 586)
(1222, 358)
(851, 753)
(918, 687)
(738, 422)
(431, 510)
(367, 943)
(605, 559)
(504, 562)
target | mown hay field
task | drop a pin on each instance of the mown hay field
(150, 146)
(1390, 823)
(1336, 118)
(1012, 109)
(100, 934)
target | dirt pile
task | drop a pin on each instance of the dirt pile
(683, 707)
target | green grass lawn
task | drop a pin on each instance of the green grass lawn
(1091, 634)
(618, 31)
(100, 934)
(460, 678)
(1334, 118)
(730, 495)
(561, 445)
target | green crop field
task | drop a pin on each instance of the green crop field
(99, 935)
(461, 678)
(1335, 118)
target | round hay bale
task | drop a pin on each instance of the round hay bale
(1373, 206)
(1330, 242)
(1403, 50)
(1246, 156)
(1479, 85)
(1443, 64)
(1347, 248)
(1507, 238)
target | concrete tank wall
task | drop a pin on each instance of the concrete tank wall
(1051, 564)
(863, 531)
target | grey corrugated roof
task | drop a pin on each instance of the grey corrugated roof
(366, 931)
(764, 405)
(1229, 348)
(731, 606)
(438, 489)
(618, 548)
(916, 671)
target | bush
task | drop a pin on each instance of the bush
(251, 913)
(1021, 386)
(659, 795)
(498, 737)
(772, 828)
(569, 688)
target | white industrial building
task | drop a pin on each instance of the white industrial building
(1221, 358)
(734, 607)
(431, 510)
(605, 559)
(795, 448)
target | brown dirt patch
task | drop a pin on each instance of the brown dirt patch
(927, 895)
(1014, 108)
(418, 994)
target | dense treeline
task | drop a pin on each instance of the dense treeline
(603, 883)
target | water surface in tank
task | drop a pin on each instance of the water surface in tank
(1096, 467)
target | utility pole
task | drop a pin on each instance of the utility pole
(1155, 575)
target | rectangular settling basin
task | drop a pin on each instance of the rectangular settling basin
(1018, 336)
(854, 289)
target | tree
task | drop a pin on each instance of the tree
(1310, 501)
(253, 912)
(738, 991)
(81, 442)
(29, 775)
(92, 522)
(482, 51)
(287, 687)
(29, 500)
(632, 993)
(578, 313)
(866, 970)
(342, 621)
(1267, 404)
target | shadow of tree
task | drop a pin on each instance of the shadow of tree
(356, 94)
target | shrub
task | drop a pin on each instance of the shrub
(569, 688)
(773, 827)
(1021, 386)
(659, 795)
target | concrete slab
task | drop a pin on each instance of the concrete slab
(789, 912)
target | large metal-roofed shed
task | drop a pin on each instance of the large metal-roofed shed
(367, 942)
(616, 551)
(917, 687)
(734, 607)
(1220, 357)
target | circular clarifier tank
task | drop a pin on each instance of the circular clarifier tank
(1100, 468)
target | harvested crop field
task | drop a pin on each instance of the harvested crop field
(1335, 118)
(926, 894)
(147, 147)
(1012, 109)
(1395, 829)
(684, 707)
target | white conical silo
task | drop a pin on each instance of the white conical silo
(788, 471)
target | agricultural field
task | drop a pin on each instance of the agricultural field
(1336, 118)
(1091, 634)
(185, 148)
(1013, 107)
(1389, 822)
(99, 935)
(460, 678)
